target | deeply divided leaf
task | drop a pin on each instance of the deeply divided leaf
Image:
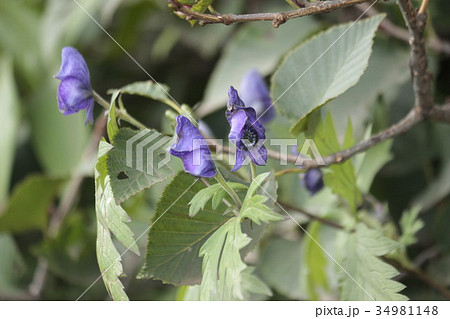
(110, 218)
(214, 192)
(223, 269)
(367, 277)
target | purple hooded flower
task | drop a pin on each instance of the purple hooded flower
(254, 93)
(74, 91)
(312, 180)
(246, 132)
(193, 150)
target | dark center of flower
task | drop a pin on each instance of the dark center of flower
(250, 135)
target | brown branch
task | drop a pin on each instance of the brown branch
(391, 29)
(311, 216)
(277, 18)
(421, 77)
(440, 114)
(399, 128)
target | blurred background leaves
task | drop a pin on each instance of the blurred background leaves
(40, 150)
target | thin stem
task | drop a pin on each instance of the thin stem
(175, 106)
(120, 113)
(423, 7)
(228, 189)
(311, 216)
(289, 171)
(253, 170)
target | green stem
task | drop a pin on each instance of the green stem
(120, 113)
(253, 170)
(228, 189)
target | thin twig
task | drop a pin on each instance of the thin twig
(423, 7)
(311, 216)
(277, 18)
(401, 127)
(389, 28)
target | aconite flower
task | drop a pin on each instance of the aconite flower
(312, 180)
(255, 93)
(74, 91)
(246, 132)
(192, 149)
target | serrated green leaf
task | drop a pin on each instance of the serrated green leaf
(239, 56)
(253, 284)
(340, 178)
(258, 212)
(256, 184)
(371, 274)
(112, 127)
(175, 239)
(387, 69)
(410, 224)
(150, 89)
(223, 268)
(214, 192)
(253, 206)
(29, 205)
(322, 68)
(142, 169)
(110, 217)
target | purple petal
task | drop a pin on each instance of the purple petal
(313, 180)
(233, 98)
(258, 156)
(255, 93)
(90, 113)
(73, 65)
(240, 158)
(192, 149)
(204, 168)
(237, 122)
(186, 133)
(73, 96)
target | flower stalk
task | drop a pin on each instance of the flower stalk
(252, 170)
(122, 114)
(221, 180)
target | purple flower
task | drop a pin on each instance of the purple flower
(74, 91)
(254, 93)
(246, 132)
(193, 150)
(312, 180)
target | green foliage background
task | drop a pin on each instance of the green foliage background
(41, 151)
